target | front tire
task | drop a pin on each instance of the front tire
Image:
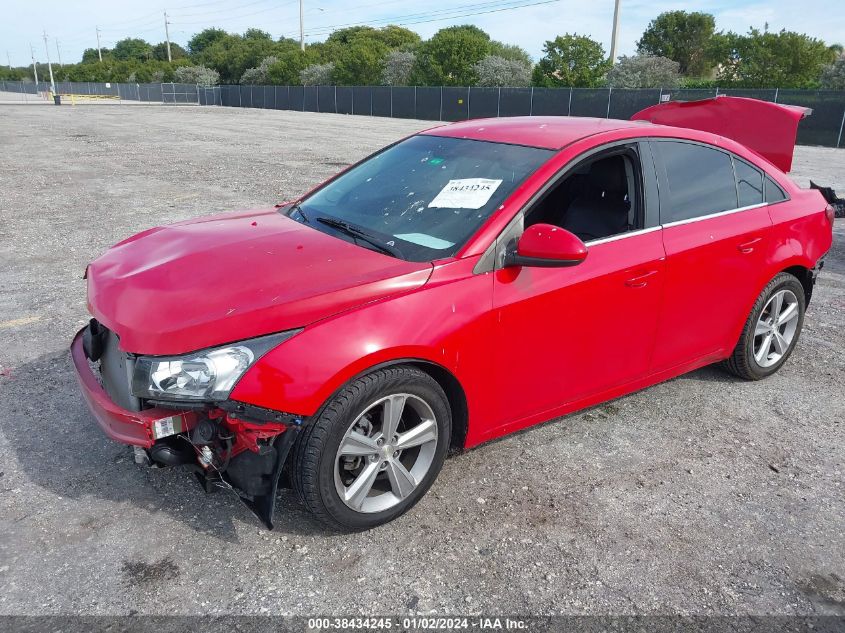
(771, 331)
(374, 450)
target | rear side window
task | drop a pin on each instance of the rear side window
(749, 183)
(700, 181)
(773, 191)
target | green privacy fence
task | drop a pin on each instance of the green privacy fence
(449, 103)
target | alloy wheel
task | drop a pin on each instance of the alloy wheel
(776, 328)
(386, 453)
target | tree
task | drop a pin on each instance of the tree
(257, 34)
(286, 70)
(360, 63)
(571, 60)
(258, 76)
(317, 75)
(132, 48)
(498, 71)
(681, 36)
(644, 71)
(91, 54)
(205, 38)
(761, 59)
(199, 75)
(160, 51)
(231, 55)
(450, 56)
(394, 36)
(398, 67)
(512, 52)
(833, 76)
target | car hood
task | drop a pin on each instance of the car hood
(214, 280)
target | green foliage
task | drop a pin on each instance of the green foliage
(132, 48)
(91, 55)
(644, 71)
(762, 59)
(259, 75)
(233, 54)
(360, 63)
(317, 75)
(160, 51)
(571, 60)
(683, 37)
(199, 75)
(498, 71)
(511, 52)
(398, 68)
(205, 38)
(833, 76)
(450, 56)
(286, 70)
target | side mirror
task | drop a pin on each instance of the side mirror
(547, 246)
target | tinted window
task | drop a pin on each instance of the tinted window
(749, 183)
(701, 181)
(773, 191)
(425, 196)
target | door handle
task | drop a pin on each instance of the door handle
(640, 281)
(748, 247)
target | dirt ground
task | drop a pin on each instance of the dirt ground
(700, 495)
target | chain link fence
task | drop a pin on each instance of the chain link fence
(824, 127)
(30, 92)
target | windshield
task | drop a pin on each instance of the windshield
(423, 198)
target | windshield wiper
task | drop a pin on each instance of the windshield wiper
(358, 233)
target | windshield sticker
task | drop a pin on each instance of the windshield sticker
(435, 161)
(465, 193)
(425, 240)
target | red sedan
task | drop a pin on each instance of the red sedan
(466, 282)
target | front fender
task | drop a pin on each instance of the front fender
(447, 322)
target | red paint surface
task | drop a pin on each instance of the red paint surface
(769, 129)
(525, 344)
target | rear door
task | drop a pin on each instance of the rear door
(715, 231)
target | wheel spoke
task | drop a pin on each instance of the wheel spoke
(780, 343)
(402, 482)
(422, 433)
(777, 301)
(789, 313)
(391, 415)
(762, 328)
(360, 488)
(763, 352)
(357, 444)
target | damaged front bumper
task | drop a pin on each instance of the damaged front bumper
(233, 445)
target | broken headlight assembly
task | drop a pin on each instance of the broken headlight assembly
(204, 376)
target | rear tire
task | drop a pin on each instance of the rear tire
(771, 331)
(356, 442)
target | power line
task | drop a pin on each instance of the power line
(483, 8)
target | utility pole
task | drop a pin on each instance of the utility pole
(615, 35)
(99, 50)
(59, 52)
(301, 25)
(9, 60)
(34, 67)
(167, 36)
(49, 65)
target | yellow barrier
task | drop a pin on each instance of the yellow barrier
(73, 97)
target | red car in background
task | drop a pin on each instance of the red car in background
(459, 285)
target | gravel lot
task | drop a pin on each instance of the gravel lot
(700, 495)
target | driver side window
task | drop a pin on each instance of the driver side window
(600, 198)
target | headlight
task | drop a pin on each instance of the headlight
(208, 375)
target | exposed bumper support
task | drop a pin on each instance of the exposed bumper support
(136, 428)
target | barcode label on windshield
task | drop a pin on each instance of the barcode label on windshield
(465, 193)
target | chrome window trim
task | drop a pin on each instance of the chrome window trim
(622, 236)
(713, 215)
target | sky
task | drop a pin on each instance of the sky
(73, 23)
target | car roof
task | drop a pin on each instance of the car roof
(549, 132)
